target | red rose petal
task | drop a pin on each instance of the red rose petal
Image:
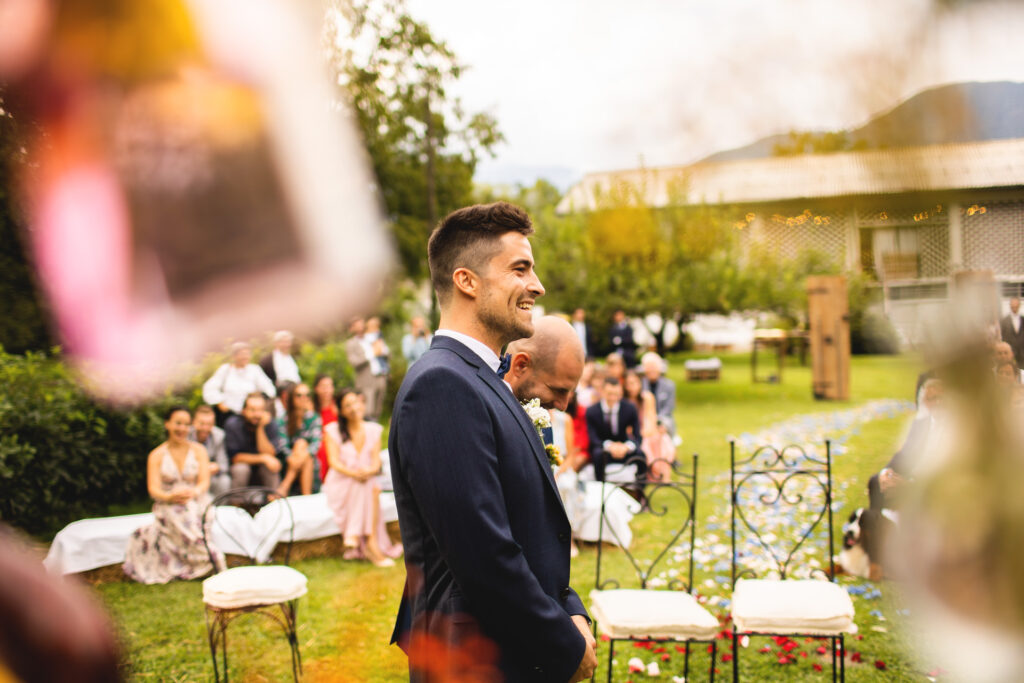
(727, 657)
(817, 667)
(821, 650)
(880, 665)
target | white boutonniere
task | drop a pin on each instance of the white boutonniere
(541, 419)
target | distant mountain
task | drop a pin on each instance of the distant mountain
(959, 112)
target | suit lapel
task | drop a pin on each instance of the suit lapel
(523, 420)
(497, 385)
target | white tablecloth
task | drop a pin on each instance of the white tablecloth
(92, 543)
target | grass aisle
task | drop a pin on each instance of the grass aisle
(345, 621)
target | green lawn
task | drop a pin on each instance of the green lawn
(345, 621)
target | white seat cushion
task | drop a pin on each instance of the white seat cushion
(792, 606)
(651, 614)
(248, 586)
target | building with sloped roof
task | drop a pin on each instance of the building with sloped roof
(912, 217)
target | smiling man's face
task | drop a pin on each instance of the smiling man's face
(509, 287)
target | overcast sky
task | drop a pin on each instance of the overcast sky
(594, 85)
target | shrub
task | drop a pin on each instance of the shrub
(64, 456)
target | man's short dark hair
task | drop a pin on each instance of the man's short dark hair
(468, 238)
(611, 381)
(204, 409)
(256, 394)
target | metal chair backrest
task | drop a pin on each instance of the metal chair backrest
(267, 521)
(795, 483)
(648, 555)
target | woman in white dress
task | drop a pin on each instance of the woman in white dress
(178, 478)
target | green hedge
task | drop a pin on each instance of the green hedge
(64, 456)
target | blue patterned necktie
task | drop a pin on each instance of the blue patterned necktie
(503, 366)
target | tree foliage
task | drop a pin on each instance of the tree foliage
(671, 261)
(423, 146)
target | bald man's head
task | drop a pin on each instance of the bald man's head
(547, 365)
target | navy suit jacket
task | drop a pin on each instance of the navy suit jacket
(485, 534)
(599, 432)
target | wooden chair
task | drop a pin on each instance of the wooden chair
(269, 589)
(644, 605)
(796, 486)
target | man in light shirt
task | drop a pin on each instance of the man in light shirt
(279, 365)
(232, 382)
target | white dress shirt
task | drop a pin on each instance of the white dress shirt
(285, 367)
(230, 385)
(478, 347)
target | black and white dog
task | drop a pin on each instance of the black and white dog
(864, 543)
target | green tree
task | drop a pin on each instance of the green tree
(423, 146)
(671, 261)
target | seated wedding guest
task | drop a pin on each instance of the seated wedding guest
(353, 453)
(1002, 354)
(661, 387)
(250, 440)
(300, 430)
(587, 395)
(613, 430)
(655, 440)
(323, 404)
(380, 367)
(416, 341)
(1007, 373)
(279, 365)
(642, 399)
(580, 455)
(232, 382)
(883, 488)
(205, 432)
(178, 478)
(278, 405)
(615, 367)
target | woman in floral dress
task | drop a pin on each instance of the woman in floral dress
(353, 451)
(178, 478)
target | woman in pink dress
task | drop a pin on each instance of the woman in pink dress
(353, 453)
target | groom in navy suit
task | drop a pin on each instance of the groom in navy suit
(486, 537)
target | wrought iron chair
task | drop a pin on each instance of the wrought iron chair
(657, 605)
(250, 522)
(795, 485)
